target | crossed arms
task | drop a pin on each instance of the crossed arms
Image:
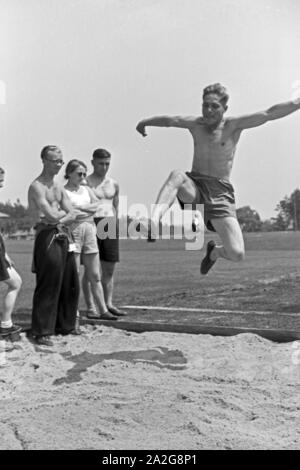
(91, 207)
(39, 203)
(66, 213)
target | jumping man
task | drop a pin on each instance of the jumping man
(215, 140)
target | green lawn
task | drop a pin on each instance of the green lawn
(163, 273)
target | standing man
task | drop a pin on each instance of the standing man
(215, 140)
(107, 191)
(55, 299)
(13, 281)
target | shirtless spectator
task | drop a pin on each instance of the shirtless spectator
(215, 140)
(107, 192)
(10, 277)
(56, 295)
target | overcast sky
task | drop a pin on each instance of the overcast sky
(81, 73)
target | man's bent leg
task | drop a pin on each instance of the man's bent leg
(232, 247)
(178, 183)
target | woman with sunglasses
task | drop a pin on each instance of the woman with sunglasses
(84, 232)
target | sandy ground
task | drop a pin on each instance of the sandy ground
(111, 389)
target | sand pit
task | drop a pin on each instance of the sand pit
(110, 389)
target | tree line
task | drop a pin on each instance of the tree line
(19, 217)
(287, 216)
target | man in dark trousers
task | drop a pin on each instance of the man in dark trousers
(55, 299)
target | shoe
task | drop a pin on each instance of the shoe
(43, 340)
(92, 315)
(116, 311)
(208, 263)
(12, 329)
(107, 316)
(104, 316)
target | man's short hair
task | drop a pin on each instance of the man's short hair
(101, 153)
(49, 148)
(219, 90)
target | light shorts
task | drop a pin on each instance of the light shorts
(85, 238)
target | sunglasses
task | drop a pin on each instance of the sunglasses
(59, 161)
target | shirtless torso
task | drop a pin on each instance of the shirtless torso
(215, 140)
(106, 191)
(49, 192)
(215, 145)
(49, 203)
(214, 151)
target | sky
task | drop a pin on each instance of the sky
(80, 74)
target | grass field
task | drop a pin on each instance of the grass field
(164, 274)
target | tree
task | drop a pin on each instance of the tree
(288, 210)
(249, 219)
(19, 217)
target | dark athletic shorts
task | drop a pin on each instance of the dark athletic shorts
(109, 247)
(216, 194)
(4, 264)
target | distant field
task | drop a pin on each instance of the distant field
(164, 274)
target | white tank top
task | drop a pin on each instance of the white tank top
(78, 198)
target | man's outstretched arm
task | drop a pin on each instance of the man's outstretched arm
(165, 121)
(257, 119)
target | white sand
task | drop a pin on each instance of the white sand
(151, 391)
